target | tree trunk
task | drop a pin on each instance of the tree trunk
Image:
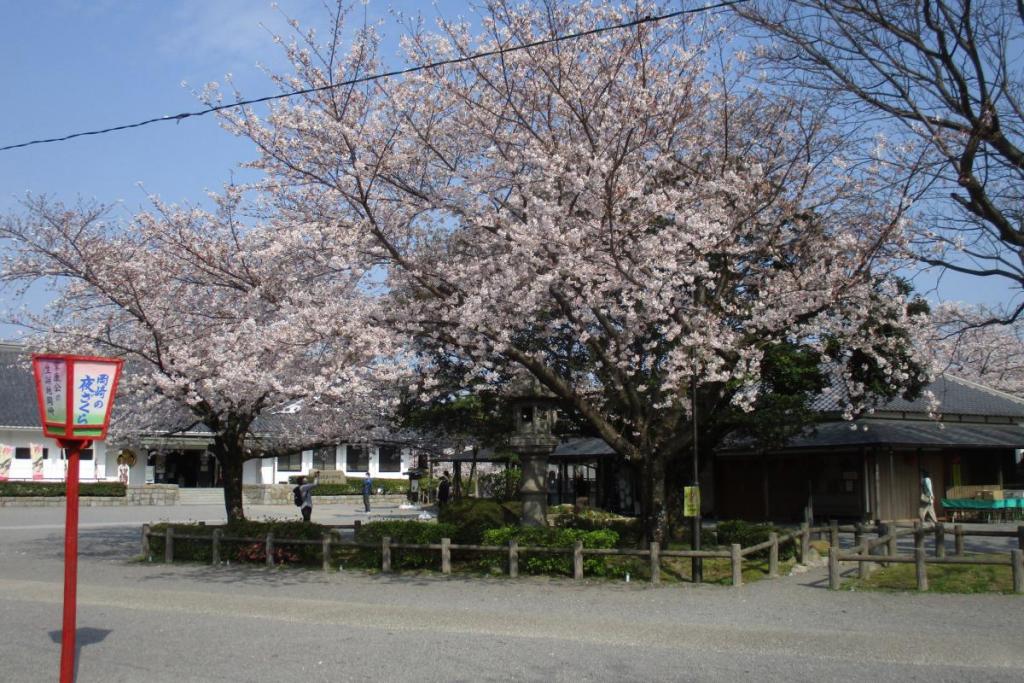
(655, 511)
(228, 449)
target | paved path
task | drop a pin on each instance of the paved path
(152, 622)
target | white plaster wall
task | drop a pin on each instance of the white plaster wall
(53, 465)
(251, 472)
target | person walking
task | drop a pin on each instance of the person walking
(444, 490)
(927, 507)
(367, 490)
(305, 493)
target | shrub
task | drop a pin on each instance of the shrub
(57, 489)
(244, 551)
(592, 519)
(402, 531)
(550, 537)
(354, 487)
(502, 486)
(471, 517)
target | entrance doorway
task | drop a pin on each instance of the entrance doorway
(187, 469)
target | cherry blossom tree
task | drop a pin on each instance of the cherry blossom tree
(962, 344)
(242, 327)
(616, 214)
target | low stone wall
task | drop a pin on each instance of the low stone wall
(267, 494)
(152, 494)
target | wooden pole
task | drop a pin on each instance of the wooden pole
(215, 548)
(858, 539)
(577, 560)
(958, 539)
(326, 550)
(833, 533)
(940, 540)
(169, 545)
(145, 542)
(1020, 537)
(385, 554)
(655, 562)
(446, 556)
(737, 564)
(921, 569)
(833, 568)
(805, 542)
(513, 559)
(1017, 568)
(68, 632)
(773, 555)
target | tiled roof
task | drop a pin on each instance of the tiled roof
(879, 432)
(956, 397)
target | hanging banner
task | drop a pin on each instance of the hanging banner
(37, 460)
(691, 501)
(6, 456)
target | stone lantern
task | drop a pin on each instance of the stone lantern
(533, 441)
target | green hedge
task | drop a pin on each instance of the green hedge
(402, 531)
(550, 537)
(592, 519)
(471, 517)
(234, 551)
(748, 534)
(355, 487)
(57, 489)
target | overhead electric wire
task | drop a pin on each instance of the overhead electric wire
(399, 72)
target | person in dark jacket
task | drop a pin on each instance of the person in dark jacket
(444, 490)
(367, 490)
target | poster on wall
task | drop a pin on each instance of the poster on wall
(37, 460)
(6, 456)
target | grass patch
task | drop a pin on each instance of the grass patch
(942, 578)
(718, 570)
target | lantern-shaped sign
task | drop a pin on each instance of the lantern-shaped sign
(75, 395)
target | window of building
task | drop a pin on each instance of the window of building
(289, 463)
(390, 459)
(86, 454)
(357, 459)
(22, 454)
(325, 458)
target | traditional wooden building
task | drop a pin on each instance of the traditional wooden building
(871, 468)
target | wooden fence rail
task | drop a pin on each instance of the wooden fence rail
(653, 553)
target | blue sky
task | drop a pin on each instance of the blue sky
(71, 65)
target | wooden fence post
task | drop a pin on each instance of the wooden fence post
(169, 545)
(1017, 568)
(270, 548)
(918, 538)
(577, 560)
(655, 562)
(833, 533)
(921, 569)
(737, 564)
(385, 554)
(356, 527)
(833, 568)
(326, 549)
(940, 540)
(446, 556)
(215, 547)
(513, 559)
(858, 540)
(805, 542)
(890, 546)
(773, 555)
(958, 539)
(145, 542)
(1020, 537)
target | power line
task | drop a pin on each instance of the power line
(399, 72)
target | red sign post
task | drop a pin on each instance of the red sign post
(75, 395)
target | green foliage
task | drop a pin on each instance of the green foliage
(941, 578)
(21, 489)
(243, 551)
(551, 537)
(628, 529)
(502, 486)
(748, 534)
(471, 517)
(402, 531)
(354, 487)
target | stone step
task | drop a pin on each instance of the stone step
(200, 496)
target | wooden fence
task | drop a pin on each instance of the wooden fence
(735, 554)
(862, 553)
